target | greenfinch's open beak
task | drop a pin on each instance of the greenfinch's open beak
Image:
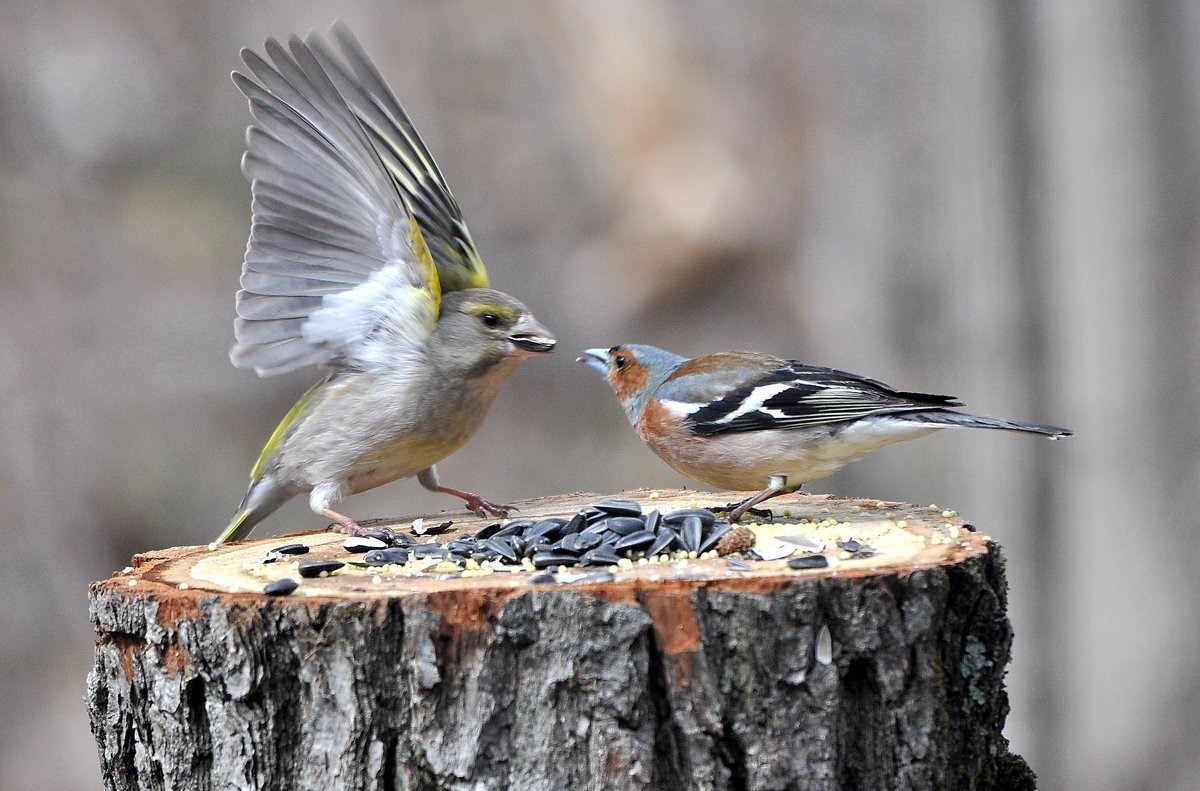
(596, 359)
(530, 337)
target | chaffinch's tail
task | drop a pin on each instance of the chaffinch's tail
(947, 417)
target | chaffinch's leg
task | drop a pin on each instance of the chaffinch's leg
(428, 478)
(776, 485)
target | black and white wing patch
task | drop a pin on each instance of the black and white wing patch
(801, 396)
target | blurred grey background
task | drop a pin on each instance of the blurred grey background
(991, 198)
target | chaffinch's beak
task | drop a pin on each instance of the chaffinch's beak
(530, 337)
(595, 358)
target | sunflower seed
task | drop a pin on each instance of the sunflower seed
(676, 517)
(281, 587)
(716, 534)
(430, 550)
(545, 578)
(487, 531)
(618, 507)
(547, 527)
(543, 560)
(576, 524)
(382, 557)
(808, 562)
(635, 541)
(600, 556)
(359, 544)
(315, 568)
(624, 525)
(501, 548)
(664, 538)
(691, 531)
(291, 549)
(653, 520)
(850, 545)
(577, 542)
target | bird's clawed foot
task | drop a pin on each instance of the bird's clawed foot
(484, 508)
(344, 524)
(731, 510)
(476, 504)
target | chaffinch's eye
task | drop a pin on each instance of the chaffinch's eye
(490, 320)
(620, 361)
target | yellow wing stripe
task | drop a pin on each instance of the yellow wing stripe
(425, 259)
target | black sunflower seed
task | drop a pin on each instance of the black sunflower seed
(382, 557)
(501, 548)
(597, 528)
(850, 545)
(427, 551)
(543, 560)
(653, 520)
(808, 562)
(706, 516)
(600, 556)
(718, 531)
(315, 568)
(487, 531)
(585, 541)
(576, 524)
(625, 525)
(618, 507)
(547, 527)
(635, 541)
(359, 544)
(592, 514)
(281, 587)
(438, 529)
(663, 539)
(691, 531)
(291, 549)
(545, 578)
(535, 544)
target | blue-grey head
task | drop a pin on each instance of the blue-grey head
(634, 372)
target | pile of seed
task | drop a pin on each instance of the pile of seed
(600, 534)
(609, 532)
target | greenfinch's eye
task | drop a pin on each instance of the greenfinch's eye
(490, 320)
(620, 361)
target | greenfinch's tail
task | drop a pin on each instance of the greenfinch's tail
(260, 502)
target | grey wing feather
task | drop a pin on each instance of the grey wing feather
(329, 223)
(407, 159)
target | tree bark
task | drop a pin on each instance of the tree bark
(879, 673)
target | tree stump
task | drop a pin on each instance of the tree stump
(881, 671)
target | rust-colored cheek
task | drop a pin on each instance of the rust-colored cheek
(628, 383)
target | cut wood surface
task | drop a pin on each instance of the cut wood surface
(879, 671)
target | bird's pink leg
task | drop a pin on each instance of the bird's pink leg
(428, 478)
(475, 503)
(343, 523)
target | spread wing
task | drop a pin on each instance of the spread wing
(785, 395)
(407, 160)
(336, 268)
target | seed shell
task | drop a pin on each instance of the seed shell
(281, 587)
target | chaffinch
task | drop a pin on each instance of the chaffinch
(359, 260)
(744, 421)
